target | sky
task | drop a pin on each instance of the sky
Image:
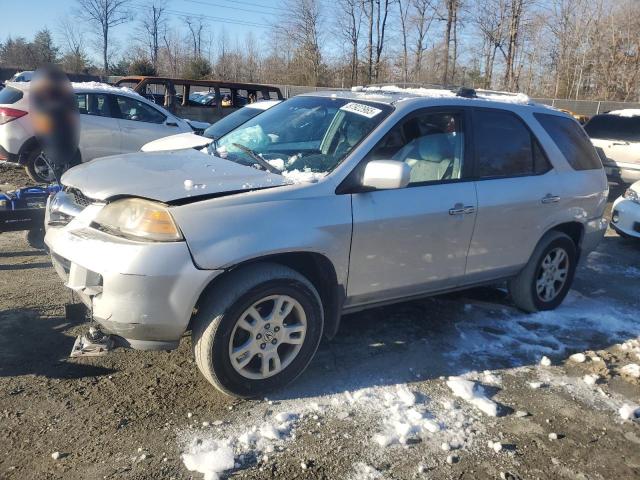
(237, 17)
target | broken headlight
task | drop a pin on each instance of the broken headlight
(138, 219)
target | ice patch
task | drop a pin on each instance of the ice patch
(362, 471)
(472, 393)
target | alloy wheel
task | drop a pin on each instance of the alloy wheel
(552, 274)
(267, 337)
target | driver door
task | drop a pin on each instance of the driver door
(415, 240)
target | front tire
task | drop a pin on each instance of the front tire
(546, 279)
(258, 331)
(37, 168)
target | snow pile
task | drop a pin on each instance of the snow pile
(629, 412)
(210, 460)
(210, 455)
(505, 97)
(362, 471)
(632, 370)
(578, 357)
(303, 176)
(627, 112)
(474, 394)
(104, 87)
(591, 379)
(404, 418)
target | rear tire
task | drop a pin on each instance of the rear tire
(546, 279)
(234, 348)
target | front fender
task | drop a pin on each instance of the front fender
(221, 233)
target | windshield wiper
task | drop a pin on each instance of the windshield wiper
(261, 161)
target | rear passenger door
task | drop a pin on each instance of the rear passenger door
(518, 194)
(415, 240)
(99, 130)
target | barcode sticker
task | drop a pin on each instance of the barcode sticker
(361, 109)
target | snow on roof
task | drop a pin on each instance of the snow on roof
(627, 112)
(517, 98)
(103, 87)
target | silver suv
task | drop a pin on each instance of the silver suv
(326, 204)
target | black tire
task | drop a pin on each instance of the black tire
(35, 239)
(523, 287)
(32, 169)
(216, 319)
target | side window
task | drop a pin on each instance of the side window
(572, 141)
(132, 109)
(432, 144)
(81, 99)
(505, 147)
(98, 104)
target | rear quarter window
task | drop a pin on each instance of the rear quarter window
(571, 140)
(10, 95)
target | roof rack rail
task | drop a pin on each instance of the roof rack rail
(495, 92)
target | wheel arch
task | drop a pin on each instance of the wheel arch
(574, 230)
(26, 148)
(317, 268)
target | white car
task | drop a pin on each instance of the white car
(113, 120)
(223, 126)
(625, 216)
(616, 136)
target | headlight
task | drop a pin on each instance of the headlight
(632, 195)
(138, 219)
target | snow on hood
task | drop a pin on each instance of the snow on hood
(165, 176)
(180, 141)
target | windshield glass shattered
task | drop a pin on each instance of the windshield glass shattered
(304, 137)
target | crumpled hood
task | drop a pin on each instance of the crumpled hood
(179, 141)
(165, 176)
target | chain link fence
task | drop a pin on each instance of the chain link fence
(586, 107)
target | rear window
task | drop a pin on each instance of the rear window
(9, 95)
(614, 127)
(571, 140)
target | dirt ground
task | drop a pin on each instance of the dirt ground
(131, 415)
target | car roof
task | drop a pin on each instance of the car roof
(625, 112)
(393, 95)
(84, 87)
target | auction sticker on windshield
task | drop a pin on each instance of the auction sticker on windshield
(361, 109)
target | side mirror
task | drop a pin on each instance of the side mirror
(386, 175)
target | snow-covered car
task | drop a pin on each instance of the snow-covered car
(112, 121)
(330, 202)
(625, 213)
(25, 76)
(232, 121)
(616, 136)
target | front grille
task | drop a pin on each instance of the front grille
(79, 198)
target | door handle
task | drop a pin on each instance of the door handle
(548, 198)
(171, 124)
(460, 209)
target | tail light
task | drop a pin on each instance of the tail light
(9, 114)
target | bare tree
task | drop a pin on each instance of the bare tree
(104, 15)
(153, 23)
(451, 7)
(424, 15)
(404, 20)
(349, 22)
(196, 28)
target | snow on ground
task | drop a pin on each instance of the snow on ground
(602, 263)
(483, 338)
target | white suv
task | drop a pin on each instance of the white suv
(112, 121)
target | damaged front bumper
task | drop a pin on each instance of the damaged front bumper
(143, 292)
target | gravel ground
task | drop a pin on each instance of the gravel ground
(131, 415)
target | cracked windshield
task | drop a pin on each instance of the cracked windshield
(305, 135)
